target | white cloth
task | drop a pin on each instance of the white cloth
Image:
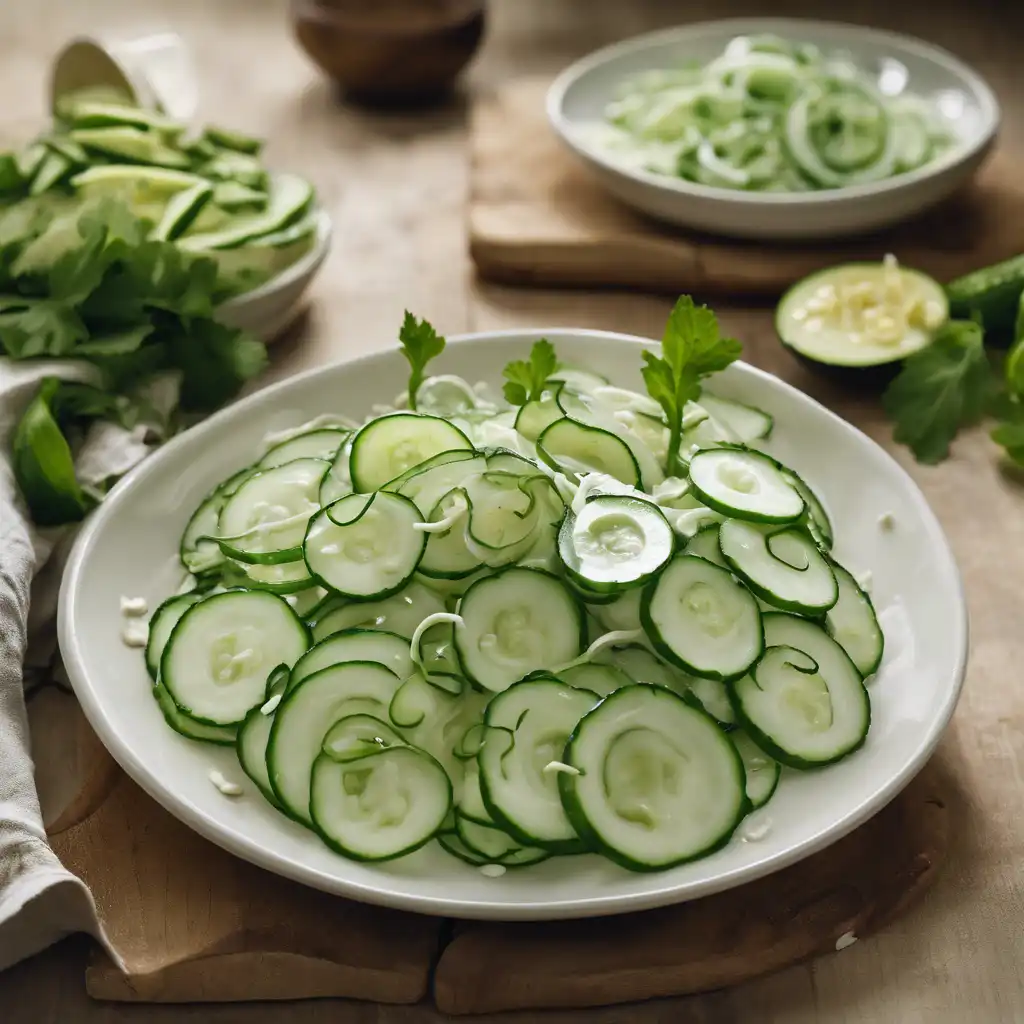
(40, 901)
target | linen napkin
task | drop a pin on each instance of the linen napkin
(40, 901)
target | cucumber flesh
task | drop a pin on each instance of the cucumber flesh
(852, 623)
(744, 484)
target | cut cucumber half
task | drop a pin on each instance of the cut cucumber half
(527, 729)
(162, 624)
(746, 422)
(254, 733)
(704, 544)
(377, 645)
(401, 613)
(781, 565)
(745, 484)
(389, 446)
(306, 715)
(381, 805)
(659, 783)
(599, 679)
(762, 772)
(700, 618)
(615, 542)
(860, 315)
(852, 623)
(315, 444)
(577, 449)
(515, 622)
(217, 659)
(803, 710)
(364, 546)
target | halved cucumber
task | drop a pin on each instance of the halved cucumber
(400, 613)
(305, 716)
(615, 542)
(324, 443)
(805, 710)
(364, 546)
(527, 728)
(744, 483)
(700, 618)
(781, 565)
(162, 624)
(577, 448)
(254, 733)
(659, 782)
(377, 645)
(762, 772)
(389, 446)
(852, 623)
(218, 656)
(515, 622)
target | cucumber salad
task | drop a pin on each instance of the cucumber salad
(776, 115)
(573, 618)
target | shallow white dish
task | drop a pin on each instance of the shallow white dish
(267, 310)
(579, 95)
(129, 547)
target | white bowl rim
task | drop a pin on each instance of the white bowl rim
(249, 850)
(955, 155)
(303, 267)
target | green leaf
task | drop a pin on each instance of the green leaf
(691, 349)
(117, 343)
(39, 327)
(43, 464)
(215, 361)
(420, 343)
(525, 379)
(943, 387)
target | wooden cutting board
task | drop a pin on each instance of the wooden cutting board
(537, 217)
(194, 924)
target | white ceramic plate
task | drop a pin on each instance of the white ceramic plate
(129, 547)
(579, 95)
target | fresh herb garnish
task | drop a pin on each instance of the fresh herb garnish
(691, 349)
(420, 344)
(943, 387)
(525, 378)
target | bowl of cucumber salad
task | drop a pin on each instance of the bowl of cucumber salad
(563, 623)
(776, 128)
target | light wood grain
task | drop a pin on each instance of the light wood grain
(396, 187)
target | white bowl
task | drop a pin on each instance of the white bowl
(267, 310)
(579, 95)
(129, 546)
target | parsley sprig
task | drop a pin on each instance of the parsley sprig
(420, 343)
(525, 378)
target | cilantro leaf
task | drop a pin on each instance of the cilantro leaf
(943, 387)
(215, 361)
(691, 349)
(525, 379)
(420, 344)
(39, 327)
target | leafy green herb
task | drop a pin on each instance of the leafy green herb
(525, 379)
(691, 349)
(420, 344)
(943, 387)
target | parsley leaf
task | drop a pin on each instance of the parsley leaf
(525, 379)
(691, 348)
(420, 344)
(941, 388)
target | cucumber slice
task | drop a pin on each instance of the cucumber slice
(379, 806)
(577, 379)
(744, 483)
(746, 422)
(401, 613)
(816, 518)
(235, 197)
(161, 625)
(599, 679)
(314, 444)
(364, 546)
(576, 449)
(278, 577)
(536, 416)
(305, 716)
(354, 736)
(218, 656)
(704, 544)
(94, 114)
(659, 782)
(515, 622)
(185, 725)
(233, 140)
(615, 542)
(254, 734)
(376, 645)
(486, 841)
(471, 801)
(337, 482)
(429, 482)
(712, 697)
(506, 511)
(852, 623)
(623, 613)
(762, 772)
(991, 293)
(781, 565)
(699, 618)
(387, 447)
(447, 556)
(131, 145)
(527, 728)
(265, 520)
(860, 315)
(146, 190)
(182, 209)
(804, 710)
(53, 169)
(453, 844)
(642, 666)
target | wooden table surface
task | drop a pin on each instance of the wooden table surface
(396, 187)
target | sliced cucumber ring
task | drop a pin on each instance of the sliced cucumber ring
(746, 422)
(712, 697)
(659, 783)
(704, 544)
(599, 679)
(324, 443)
(401, 613)
(762, 772)
(745, 484)
(378, 645)
(852, 623)
(577, 448)
(162, 624)
(700, 618)
(429, 482)
(253, 734)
